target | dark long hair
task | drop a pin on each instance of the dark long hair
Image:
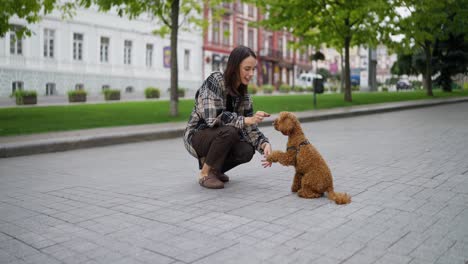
(232, 72)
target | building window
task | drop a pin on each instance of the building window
(187, 60)
(17, 86)
(77, 46)
(16, 44)
(240, 35)
(226, 34)
(149, 55)
(129, 89)
(79, 87)
(104, 51)
(250, 39)
(49, 38)
(239, 7)
(280, 46)
(128, 52)
(105, 87)
(270, 45)
(216, 32)
(50, 89)
(251, 10)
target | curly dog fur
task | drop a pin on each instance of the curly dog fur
(313, 177)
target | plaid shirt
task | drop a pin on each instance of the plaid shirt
(210, 111)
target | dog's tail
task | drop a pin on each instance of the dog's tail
(339, 198)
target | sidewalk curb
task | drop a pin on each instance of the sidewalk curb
(111, 138)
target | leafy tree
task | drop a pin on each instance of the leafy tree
(409, 64)
(339, 24)
(29, 10)
(427, 22)
(403, 65)
(325, 73)
(450, 58)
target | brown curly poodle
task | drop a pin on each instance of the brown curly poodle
(313, 177)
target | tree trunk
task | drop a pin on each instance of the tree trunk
(174, 67)
(428, 81)
(347, 95)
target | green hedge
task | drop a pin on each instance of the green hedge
(111, 94)
(267, 88)
(252, 89)
(25, 97)
(298, 89)
(152, 92)
(180, 91)
(284, 88)
(77, 96)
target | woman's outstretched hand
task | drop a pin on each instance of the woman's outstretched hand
(266, 153)
(257, 118)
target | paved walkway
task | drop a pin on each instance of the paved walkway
(407, 172)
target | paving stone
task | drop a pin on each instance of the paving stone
(17, 248)
(390, 258)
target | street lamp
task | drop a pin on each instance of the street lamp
(316, 57)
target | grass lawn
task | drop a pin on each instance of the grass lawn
(28, 120)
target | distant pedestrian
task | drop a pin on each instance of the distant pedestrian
(222, 131)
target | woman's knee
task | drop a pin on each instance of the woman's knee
(229, 132)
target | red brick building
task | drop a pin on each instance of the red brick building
(277, 63)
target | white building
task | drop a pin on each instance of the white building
(95, 51)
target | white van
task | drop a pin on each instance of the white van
(307, 79)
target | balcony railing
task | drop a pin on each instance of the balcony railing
(218, 45)
(271, 53)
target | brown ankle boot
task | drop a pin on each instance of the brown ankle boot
(211, 181)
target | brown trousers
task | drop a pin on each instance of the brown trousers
(221, 148)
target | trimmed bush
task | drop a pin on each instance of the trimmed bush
(25, 97)
(152, 92)
(267, 88)
(298, 89)
(284, 88)
(309, 89)
(333, 89)
(77, 96)
(180, 91)
(252, 89)
(416, 84)
(111, 94)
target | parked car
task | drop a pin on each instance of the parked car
(403, 85)
(307, 79)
